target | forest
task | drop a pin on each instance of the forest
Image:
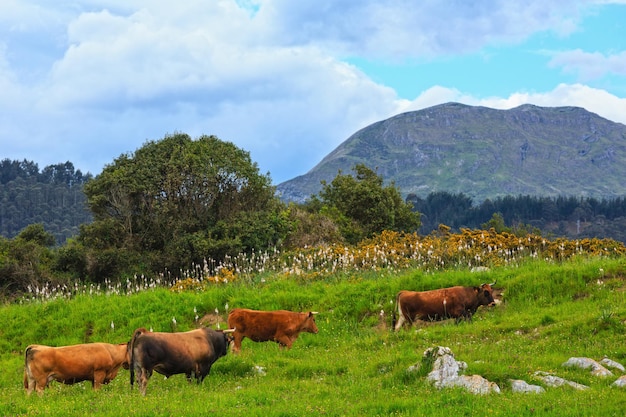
(52, 196)
(563, 216)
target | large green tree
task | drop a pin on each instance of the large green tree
(182, 201)
(363, 206)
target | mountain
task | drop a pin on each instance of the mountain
(483, 153)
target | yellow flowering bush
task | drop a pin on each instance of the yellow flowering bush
(187, 284)
(392, 250)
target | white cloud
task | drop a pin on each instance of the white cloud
(594, 100)
(409, 29)
(590, 65)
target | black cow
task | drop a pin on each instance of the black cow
(189, 353)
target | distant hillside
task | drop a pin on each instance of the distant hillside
(483, 153)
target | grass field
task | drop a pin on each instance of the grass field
(355, 365)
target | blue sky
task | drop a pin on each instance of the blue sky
(286, 80)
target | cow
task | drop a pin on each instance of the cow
(189, 353)
(95, 362)
(280, 326)
(454, 302)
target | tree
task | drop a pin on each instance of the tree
(362, 206)
(180, 201)
(497, 223)
(37, 233)
(25, 261)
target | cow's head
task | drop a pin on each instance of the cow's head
(228, 335)
(309, 323)
(485, 295)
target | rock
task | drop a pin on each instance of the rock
(586, 363)
(476, 384)
(621, 382)
(518, 385)
(445, 372)
(612, 364)
(555, 381)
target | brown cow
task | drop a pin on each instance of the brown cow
(192, 352)
(454, 302)
(281, 326)
(95, 362)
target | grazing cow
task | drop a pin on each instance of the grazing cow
(95, 362)
(281, 326)
(454, 302)
(192, 352)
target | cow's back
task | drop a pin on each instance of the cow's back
(256, 325)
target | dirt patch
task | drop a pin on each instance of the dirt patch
(212, 320)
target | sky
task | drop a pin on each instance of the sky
(288, 81)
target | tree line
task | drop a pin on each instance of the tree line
(571, 217)
(52, 196)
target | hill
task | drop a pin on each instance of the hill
(483, 153)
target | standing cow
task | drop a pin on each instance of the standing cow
(95, 362)
(192, 352)
(280, 326)
(454, 302)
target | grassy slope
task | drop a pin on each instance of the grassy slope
(353, 366)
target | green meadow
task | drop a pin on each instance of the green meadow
(356, 365)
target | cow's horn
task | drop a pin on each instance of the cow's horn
(493, 283)
(228, 330)
(315, 312)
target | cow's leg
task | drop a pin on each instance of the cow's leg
(98, 379)
(202, 373)
(237, 338)
(285, 341)
(142, 379)
(465, 315)
(29, 383)
(32, 384)
(40, 385)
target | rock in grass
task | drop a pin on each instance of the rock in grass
(586, 363)
(518, 385)
(621, 382)
(445, 372)
(555, 381)
(612, 364)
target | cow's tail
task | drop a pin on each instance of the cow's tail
(26, 367)
(131, 354)
(28, 356)
(394, 318)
